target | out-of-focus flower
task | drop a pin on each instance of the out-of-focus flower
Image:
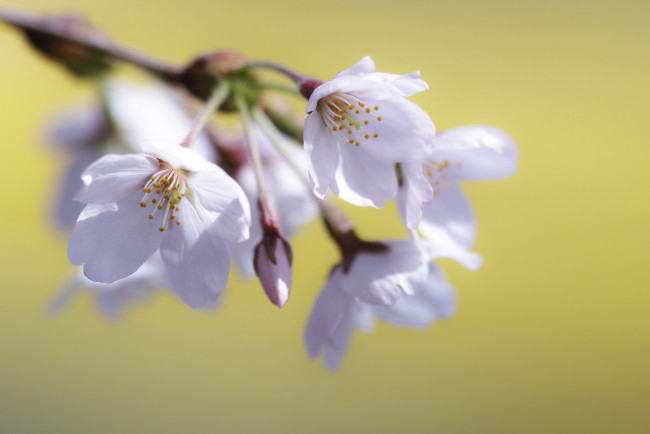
(359, 125)
(382, 277)
(430, 198)
(336, 314)
(132, 114)
(111, 299)
(169, 198)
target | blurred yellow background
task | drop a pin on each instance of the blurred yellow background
(551, 335)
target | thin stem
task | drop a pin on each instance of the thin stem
(32, 23)
(219, 95)
(334, 218)
(265, 123)
(263, 194)
(279, 87)
(293, 75)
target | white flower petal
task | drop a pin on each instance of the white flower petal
(402, 85)
(364, 66)
(363, 180)
(412, 193)
(152, 113)
(177, 156)
(477, 152)
(325, 315)
(322, 154)
(333, 319)
(381, 278)
(449, 216)
(220, 200)
(113, 177)
(114, 240)
(403, 134)
(343, 80)
(356, 315)
(197, 262)
(436, 299)
(66, 209)
(450, 249)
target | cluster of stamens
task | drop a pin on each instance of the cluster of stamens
(164, 191)
(435, 172)
(349, 117)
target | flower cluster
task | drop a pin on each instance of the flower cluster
(160, 192)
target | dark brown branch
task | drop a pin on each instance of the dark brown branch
(47, 27)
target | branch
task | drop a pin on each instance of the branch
(95, 41)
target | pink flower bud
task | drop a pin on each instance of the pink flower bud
(273, 258)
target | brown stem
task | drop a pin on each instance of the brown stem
(42, 26)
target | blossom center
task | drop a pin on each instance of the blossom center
(164, 192)
(351, 119)
(436, 173)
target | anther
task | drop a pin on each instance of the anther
(365, 122)
(375, 135)
(334, 128)
(178, 223)
(357, 111)
(367, 110)
(376, 107)
(357, 144)
(159, 206)
(150, 216)
(349, 131)
(366, 136)
(172, 217)
(162, 229)
(154, 201)
(351, 141)
(379, 118)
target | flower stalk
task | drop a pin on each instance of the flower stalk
(218, 96)
(306, 85)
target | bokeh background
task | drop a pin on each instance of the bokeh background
(551, 335)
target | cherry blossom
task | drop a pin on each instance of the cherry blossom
(168, 198)
(132, 114)
(336, 314)
(359, 125)
(430, 198)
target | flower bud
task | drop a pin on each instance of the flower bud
(308, 86)
(272, 261)
(80, 59)
(203, 74)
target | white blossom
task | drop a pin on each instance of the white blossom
(168, 198)
(133, 114)
(430, 198)
(336, 314)
(359, 125)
